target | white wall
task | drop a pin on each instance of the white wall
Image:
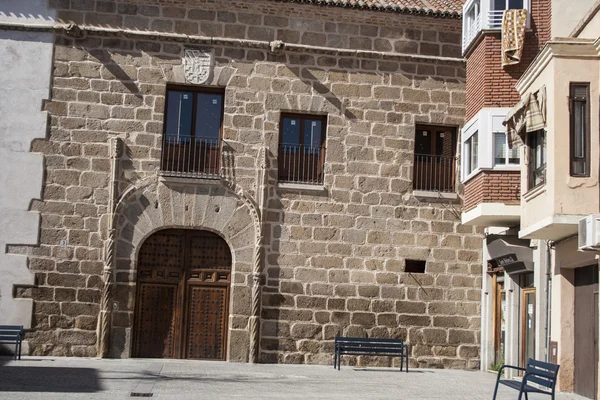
(25, 73)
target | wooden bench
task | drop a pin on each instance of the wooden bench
(12, 334)
(538, 372)
(370, 347)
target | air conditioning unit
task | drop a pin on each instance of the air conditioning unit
(589, 233)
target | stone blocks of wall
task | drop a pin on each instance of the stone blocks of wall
(334, 258)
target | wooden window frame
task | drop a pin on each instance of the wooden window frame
(586, 124)
(195, 90)
(303, 118)
(191, 156)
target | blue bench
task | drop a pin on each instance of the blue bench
(370, 347)
(538, 372)
(12, 334)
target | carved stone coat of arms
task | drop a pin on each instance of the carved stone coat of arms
(197, 65)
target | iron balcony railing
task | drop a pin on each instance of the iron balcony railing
(434, 173)
(190, 156)
(299, 163)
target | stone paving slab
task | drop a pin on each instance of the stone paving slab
(78, 378)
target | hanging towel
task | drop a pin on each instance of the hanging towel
(514, 23)
(528, 115)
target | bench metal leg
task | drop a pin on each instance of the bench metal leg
(495, 391)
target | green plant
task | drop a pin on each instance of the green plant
(496, 366)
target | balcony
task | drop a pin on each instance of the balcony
(490, 172)
(481, 15)
(190, 157)
(434, 173)
(301, 164)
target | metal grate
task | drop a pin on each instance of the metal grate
(190, 156)
(434, 173)
(299, 163)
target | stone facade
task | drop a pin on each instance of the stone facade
(333, 258)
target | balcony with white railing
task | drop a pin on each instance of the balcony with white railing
(481, 15)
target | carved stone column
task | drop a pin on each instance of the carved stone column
(104, 321)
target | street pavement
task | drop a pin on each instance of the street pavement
(78, 378)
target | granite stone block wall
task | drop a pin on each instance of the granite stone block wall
(334, 255)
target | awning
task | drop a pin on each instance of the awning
(528, 115)
(510, 252)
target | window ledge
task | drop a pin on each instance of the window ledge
(426, 194)
(189, 180)
(535, 192)
(301, 187)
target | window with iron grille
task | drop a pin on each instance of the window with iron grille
(579, 108)
(192, 132)
(536, 147)
(435, 158)
(302, 148)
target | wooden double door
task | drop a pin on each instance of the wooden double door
(182, 296)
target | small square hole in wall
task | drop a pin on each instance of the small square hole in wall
(415, 266)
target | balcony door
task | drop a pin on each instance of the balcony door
(192, 132)
(435, 158)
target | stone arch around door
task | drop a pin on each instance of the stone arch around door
(208, 208)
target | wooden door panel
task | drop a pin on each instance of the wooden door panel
(156, 320)
(207, 250)
(586, 350)
(206, 322)
(182, 304)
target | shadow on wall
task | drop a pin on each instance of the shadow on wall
(48, 379)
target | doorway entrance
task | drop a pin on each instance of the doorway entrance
(182, 303)
(528, 325)
(586, 331)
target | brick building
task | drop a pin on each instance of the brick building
(539, 297)
(246, 180)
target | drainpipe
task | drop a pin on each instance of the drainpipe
(548, 300)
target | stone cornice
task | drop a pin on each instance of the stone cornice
(80, 30)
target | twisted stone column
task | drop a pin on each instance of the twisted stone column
(104, 322)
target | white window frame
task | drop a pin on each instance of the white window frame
(506, 163)
(489, 19)
(485, 123)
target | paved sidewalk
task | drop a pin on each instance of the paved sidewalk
(76, 378)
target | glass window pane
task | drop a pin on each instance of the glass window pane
(312, 135)
(208, 115)
(500, 147)
(499, 4)
(579, 127)
(467, 157)
(513, 156)
(179, 113)
(290, 137)
(474, 150)
(423, 142)
(515, 4)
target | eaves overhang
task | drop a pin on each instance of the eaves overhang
(557, 48)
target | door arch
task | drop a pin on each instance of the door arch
(182, 300)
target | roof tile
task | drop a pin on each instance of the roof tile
(451, 8)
